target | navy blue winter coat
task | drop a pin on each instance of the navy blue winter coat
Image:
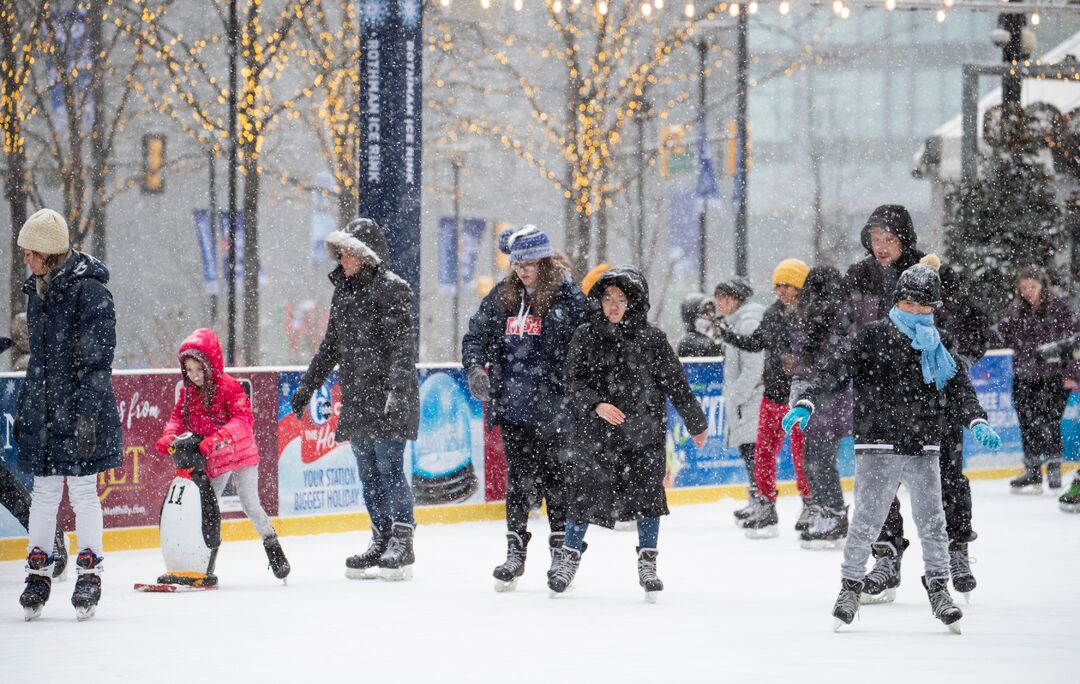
(72, 337)
(485, 345)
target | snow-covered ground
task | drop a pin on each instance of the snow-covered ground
(734, 610)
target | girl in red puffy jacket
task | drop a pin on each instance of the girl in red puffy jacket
(214, 406)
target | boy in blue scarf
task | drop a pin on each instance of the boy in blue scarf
(903, 379)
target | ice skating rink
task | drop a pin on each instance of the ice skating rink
(734, 610)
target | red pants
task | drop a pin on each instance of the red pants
(770, 437)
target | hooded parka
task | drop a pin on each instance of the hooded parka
(618, 470)
(72, 332)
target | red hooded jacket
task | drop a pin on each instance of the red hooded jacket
(226, 424)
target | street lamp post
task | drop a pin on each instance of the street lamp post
(212, 163)
(1012, 52)
(455, 164)
(230, 258)
(742, 147)
(703, 216)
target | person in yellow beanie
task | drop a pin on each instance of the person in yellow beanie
(790, 272)
(773, 336)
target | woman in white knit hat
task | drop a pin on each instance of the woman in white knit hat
(66, 424)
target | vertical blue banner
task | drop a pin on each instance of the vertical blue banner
(468, 251)
(204, 233)
(390, 128)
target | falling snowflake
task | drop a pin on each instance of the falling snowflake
(410, 13)
(373, 13)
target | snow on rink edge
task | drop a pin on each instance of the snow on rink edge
(733, 609)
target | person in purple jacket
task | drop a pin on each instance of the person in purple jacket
(1040, 388)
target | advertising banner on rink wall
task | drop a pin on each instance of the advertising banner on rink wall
(456, 459)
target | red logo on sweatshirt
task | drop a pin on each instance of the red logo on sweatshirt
(530, 324)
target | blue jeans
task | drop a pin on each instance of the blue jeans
(387, 494)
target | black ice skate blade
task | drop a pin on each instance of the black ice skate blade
(1027, 490)
(822, 544)
(362, 573)
(171, 588)
(768, 532)
(502, 587)
(396, 574)
(887, 596)
(84, 613)
(31, 612)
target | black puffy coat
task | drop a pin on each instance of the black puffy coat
(485, 345)
(69, 374)
(371, 338)
(618, 471)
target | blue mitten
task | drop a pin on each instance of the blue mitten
(796, 416)
(985, 435)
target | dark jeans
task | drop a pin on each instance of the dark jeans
(535, 469)
(1040, 404)
(819, 457)
(955, 495)
(387, 494)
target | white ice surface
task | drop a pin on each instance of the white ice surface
(733, 610)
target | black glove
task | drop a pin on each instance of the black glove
(479, 384)
(85, 438)
(299, 405)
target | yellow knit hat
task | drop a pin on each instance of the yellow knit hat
(790, 272)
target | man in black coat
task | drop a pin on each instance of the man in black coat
(890, 241)
(371, 338)
(697, 312)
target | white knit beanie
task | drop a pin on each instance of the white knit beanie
(46, 232)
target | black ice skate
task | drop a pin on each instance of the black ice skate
(960, 569)
(847, 603)
(646, 570)
(38, 583)
(88, 585)
(566, 565)
(762, 521)
(879, 585)
(507, 574)
(1028, 483)
(366, 564)
(827, 530)
(60, 557)
(807, 512)
(396, 562)
(555, 544)
(1053, 473)
(279, 564)
(941, 603)
(743, 513)
(1069, 502)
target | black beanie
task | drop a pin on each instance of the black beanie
(736, 288)
(920, 284)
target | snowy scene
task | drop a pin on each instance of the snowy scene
(702, 328)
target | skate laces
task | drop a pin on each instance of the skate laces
(646, 568)
(567, 565)
(960, 562)
(883, 569)
(940, 600)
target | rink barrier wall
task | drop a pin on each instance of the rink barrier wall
(457, 466)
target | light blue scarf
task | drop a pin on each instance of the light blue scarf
(938, 365)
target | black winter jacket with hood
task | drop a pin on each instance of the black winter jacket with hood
(619, 470)
(895, 410)
(371, 338)
(694, 343)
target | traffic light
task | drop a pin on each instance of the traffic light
(153, 163)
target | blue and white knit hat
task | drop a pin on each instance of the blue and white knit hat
(527, 243)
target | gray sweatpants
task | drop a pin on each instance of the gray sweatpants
(877, 475)
(247, 488)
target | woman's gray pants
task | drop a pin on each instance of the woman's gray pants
(877, 475)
